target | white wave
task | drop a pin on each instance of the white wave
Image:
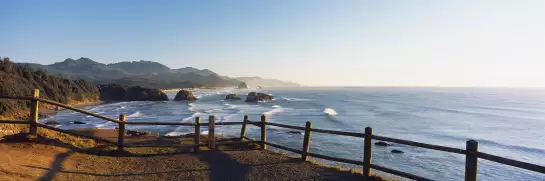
(191, 107)
(230, 106)
(135, 115)
(212, 110)
(330, 112)
(277, 109)
(201, 94)
(102, 125)
(192, 117)
(142, 103)
(177, 133)
(230, 117)
(293, 99)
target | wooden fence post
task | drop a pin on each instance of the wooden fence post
(33, 118)
(306, 141)
(471, 160)
(263, 132)
(197, 139)
(243, 129)
(121, 135)
(211, 136)
(367, 152)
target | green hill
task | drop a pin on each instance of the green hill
(22, 80)
(136, 73)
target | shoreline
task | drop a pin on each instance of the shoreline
(177, 89)
(46, 112)
(192, 89)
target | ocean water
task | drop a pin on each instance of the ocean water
(506, 122)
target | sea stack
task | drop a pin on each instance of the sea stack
(232, 97)
(242, 85)
(138, 93)
(256, 97)
(382, 143)
(185, 95)
(113, 92)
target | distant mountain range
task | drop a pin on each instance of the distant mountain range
(148, 74)
(258, 81)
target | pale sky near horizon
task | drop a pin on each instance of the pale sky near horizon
(315, 43)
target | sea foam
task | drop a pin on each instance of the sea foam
(135, 115)
(330, 112)
(277, 109)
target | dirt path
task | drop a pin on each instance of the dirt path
(44, 162)
(52, 159)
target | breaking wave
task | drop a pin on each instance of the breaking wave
(135, 115)
(330, 112)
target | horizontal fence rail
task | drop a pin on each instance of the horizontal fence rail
(511, 162)
(342, 133)
(471, 150)
(136, 145)
(75, 134)
(421, 145)
(286, 126)
(77, 110)
(228, 123)
(161, 123)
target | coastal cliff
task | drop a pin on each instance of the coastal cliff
(17, 80)
(21, 81)
(114, 92)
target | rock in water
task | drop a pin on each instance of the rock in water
(113, 92)
(242, 86)
(185, 95)
(381, 143)
(232, 97)
(256, 97)
(79, 122)
(397, 151)
(137, 133)
(294, 132)
(138, 93)
(52, 123)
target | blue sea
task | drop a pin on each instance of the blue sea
(506, 122)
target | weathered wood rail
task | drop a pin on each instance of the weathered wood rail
(471, 152)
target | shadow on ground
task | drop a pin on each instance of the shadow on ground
(177, 164)
(219, 165)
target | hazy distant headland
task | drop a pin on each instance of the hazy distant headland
(263, 82)
(149, 74)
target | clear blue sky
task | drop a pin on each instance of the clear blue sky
(322, 43)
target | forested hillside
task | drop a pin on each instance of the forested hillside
(22, 80)
(136, 73)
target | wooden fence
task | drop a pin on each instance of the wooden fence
(471, 152)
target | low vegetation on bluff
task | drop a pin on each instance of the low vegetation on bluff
(22, 80)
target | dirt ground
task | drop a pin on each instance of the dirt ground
(57, 156)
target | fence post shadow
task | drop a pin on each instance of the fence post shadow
(223, 167)
(55, 167)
